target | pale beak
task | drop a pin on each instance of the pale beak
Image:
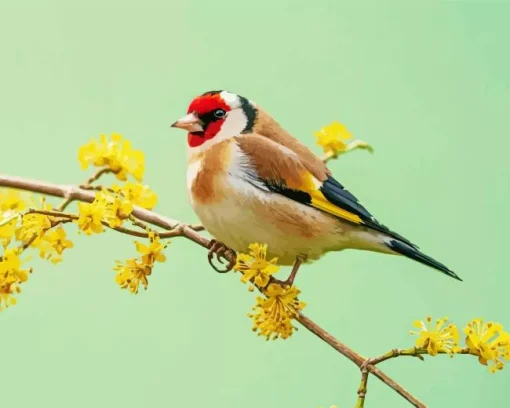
(190, 122)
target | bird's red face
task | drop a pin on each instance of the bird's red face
(216, 114)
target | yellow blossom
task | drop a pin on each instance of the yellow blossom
(115, 154)
(89, 220)
(115, 208)
(272, 317)
(333, 140)
(12, 203)
(34, 226)
(11, 276)
(489, 342)
(11, 200)
(6, 300)
(131, 274)
(151, 253)
(255, 267)
(138, 194)
(443, 337)
(8, 223)
(53, 245)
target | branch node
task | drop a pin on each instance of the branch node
(364, 366)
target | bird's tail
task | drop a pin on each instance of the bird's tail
(413, 253)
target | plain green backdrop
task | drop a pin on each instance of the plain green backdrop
(426, 83)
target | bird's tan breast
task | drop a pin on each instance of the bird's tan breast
(206, 171)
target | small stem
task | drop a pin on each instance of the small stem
(355, 144)
(362, 389)
(9, 219)
(410, 352)
(139, 223)
(51, 213)
(127, 231)
(97, 176)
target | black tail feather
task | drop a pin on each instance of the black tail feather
(413, 253)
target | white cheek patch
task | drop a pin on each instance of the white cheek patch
(235, 122)
(231, 99)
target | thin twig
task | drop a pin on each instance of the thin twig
(362, 389)
(124, 230)
(97, 176)
(411, 352)
(355, 144)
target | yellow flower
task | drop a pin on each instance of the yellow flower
(255, 267)
(90, 218)
(116, 209)
(138, 194)
(34, 226)
(11, 200)
(11, 276)
(6, 300)
(489, 342)
(151, 253)
(53, 245)
(8, 223)
(272, 316)
(332, 138)
(442, 337)
(131, 274)
(115, 154)
(12, 203)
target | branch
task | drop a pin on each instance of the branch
(360, 361)
(177, 228)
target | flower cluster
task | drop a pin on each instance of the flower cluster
(254, 266)
(24, 225)
(133, 272)
(488, 341)
(109, 207)
(115, 154)
(138, 194)
(334, 140)
(442, 337)
(273, 314)
(11, 277)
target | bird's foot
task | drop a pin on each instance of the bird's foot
(222, 252)
(290, 280)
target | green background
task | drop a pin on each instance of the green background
(426, 83)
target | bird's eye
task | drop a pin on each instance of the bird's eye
(219, 113)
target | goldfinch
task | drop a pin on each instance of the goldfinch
(250, 181)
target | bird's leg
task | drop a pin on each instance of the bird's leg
(219, 249)
(295, 268)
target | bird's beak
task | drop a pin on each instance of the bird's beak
(190, 122)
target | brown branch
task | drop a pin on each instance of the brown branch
(179, 229)
(357, 359)
(86, 186)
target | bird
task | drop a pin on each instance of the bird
(249, 180)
